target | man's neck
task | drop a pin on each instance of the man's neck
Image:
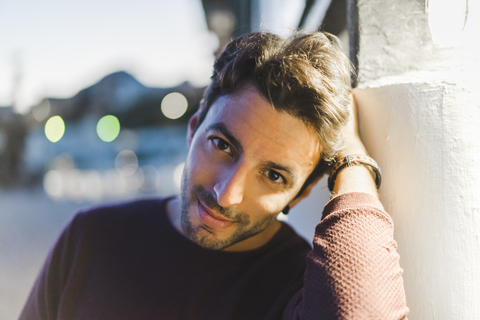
(174, 214)
(257, 240)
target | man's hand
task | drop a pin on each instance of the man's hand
(355, 178)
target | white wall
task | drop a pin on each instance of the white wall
(305, 216)
(419, 105)
(424, 130)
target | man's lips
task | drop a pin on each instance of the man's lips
(211, 219)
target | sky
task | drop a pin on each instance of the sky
(55, 48)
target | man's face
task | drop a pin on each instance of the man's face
(246, 162)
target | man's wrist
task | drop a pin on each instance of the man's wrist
(355, 160)
(357, 172)
(354, 179)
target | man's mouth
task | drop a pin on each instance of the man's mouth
(212, 219)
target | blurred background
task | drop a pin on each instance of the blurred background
(94, 101)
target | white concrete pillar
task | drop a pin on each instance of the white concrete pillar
(419, 110)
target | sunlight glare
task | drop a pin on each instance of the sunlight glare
(447, 20)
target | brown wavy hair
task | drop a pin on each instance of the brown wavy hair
(305, 75)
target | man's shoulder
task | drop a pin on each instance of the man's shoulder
(126, 208)
(288, 243)
(138, 214)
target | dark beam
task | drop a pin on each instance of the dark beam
(354, 36)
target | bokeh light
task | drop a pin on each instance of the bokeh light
(108, 128)
(91, 185)
(53, 184)
(126, 140)
(177, 175)
(135, 181)
(174, 105)
(126, 162)
(71, 184)
(222, 22)
(151, 178)
(113, 183)
(54, 128)
(42, 111)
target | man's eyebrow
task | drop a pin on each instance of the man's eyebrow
(279, 167)
(222, 128)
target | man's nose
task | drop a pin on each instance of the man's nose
(230, 186)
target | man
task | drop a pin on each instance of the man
(274, 116)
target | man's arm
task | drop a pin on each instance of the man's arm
(354, 178)
(353, 270)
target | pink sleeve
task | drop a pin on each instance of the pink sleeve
(353, 270)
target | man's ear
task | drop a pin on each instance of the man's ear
(305, 193)
(193, 124)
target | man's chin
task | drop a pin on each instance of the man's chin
(203, 235)
(209, 240)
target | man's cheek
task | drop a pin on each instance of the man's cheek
(201, 170)
(271, 204)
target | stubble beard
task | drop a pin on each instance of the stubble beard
(206, 238)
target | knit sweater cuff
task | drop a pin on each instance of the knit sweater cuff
(351, 200)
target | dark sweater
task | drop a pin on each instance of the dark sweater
(128, 262)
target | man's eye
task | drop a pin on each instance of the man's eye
(274, 176)
(222, 145)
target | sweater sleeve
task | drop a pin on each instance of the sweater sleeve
(353, 270)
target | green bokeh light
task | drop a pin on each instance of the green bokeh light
(54, 128)
(108, 128)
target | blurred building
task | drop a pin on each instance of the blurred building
(228, 18)
(118, 94)
(148, 141)
(12, 138)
